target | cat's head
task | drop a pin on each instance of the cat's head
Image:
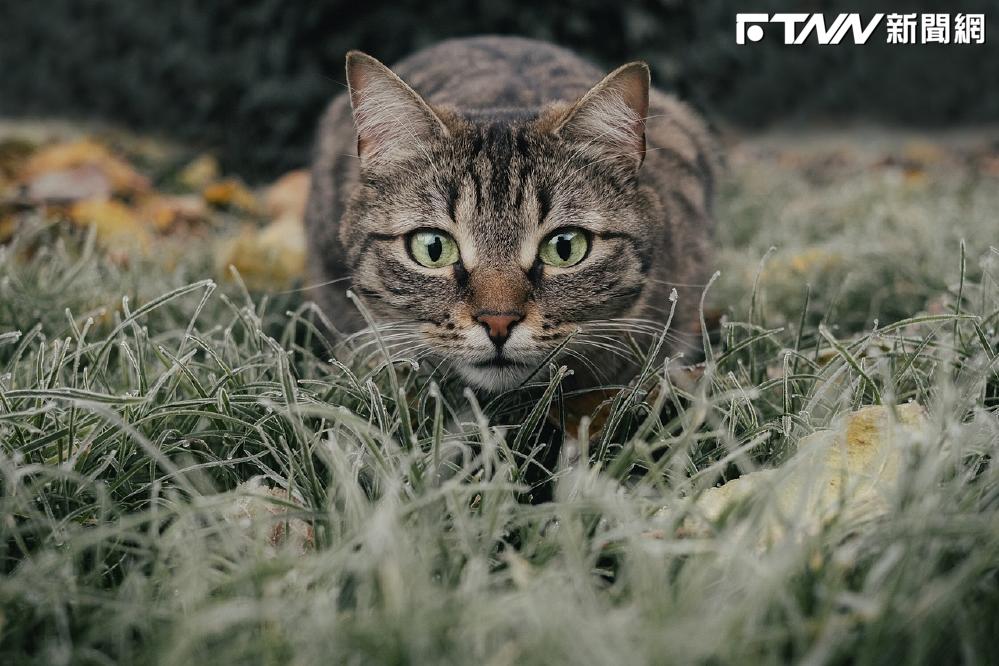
(486, 241)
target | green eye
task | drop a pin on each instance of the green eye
(433, 249)
(564, 248)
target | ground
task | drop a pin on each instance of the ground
(189, 478)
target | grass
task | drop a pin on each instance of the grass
(126, 425)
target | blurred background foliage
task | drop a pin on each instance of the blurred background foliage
(248, 78)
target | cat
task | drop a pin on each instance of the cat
(489, 198)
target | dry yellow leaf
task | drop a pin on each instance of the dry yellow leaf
(122, 177)
(117, 226)
(850, 468)
(989, 165)
(924, 152)
(252, 509)
(61, 186)
(231, 193)
(806, 261)
(14, 152)
(168, 213)
(271, 257)
(915, 176)
(200, 173)
(288, 195)
(8, 225)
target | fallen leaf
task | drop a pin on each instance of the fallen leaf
(288, 195)
(990, 165)
(117, 226)
(169, 213)
(86, 181)
(915, 176)
(120, 175)
(253, 508)
(8, 225)
(850, 468)
(200, 173)
(805, 262)
(273, 256)
(593, 405)
(924, 153)
(14, 152)
(231, 193)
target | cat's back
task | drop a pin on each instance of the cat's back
(497, 73)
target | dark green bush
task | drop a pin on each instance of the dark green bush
(249, 78)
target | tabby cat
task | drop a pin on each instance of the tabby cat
(493, 196)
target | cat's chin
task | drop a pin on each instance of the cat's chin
(494, 378)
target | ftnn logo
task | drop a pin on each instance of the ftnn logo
(799, 27)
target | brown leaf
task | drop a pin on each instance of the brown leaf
(849, 468)
(172, 213)
(117, 226)
(288, 195)
(252, 505)
(231, 193)
(14, 152)
(273, 256)
(8, 225)
(990, 166)
(594, 405)
(120, 175)
(86, 181)
(200, 173)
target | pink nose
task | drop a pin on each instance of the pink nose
(498, 325)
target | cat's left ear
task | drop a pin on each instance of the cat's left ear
(392, 120)
(610, 118)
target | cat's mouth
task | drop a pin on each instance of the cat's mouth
(496, 373)
(496, 362)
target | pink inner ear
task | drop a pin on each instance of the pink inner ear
(634, 88)
(391, 119)
(358, 77)
(356, 82)
(611, 117)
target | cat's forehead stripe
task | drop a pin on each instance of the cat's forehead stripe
(507, 152)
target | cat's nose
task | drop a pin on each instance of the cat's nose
(498, 325)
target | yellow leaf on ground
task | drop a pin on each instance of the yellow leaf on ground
(170, 213)
(269, 520)
(123, 179)
(14, 152)
(200, 173)
(231, 193)
(117, 226)
(850, 468)
(990, 166)
(273, 256)
(924, 152)
(288, 195)
(258, 509)
(86, 181)
(8, 225)
(804, 262)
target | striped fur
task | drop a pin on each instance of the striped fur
(499, 142)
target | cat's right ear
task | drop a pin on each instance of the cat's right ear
(393, 122)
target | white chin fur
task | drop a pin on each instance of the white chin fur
(495, 380)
